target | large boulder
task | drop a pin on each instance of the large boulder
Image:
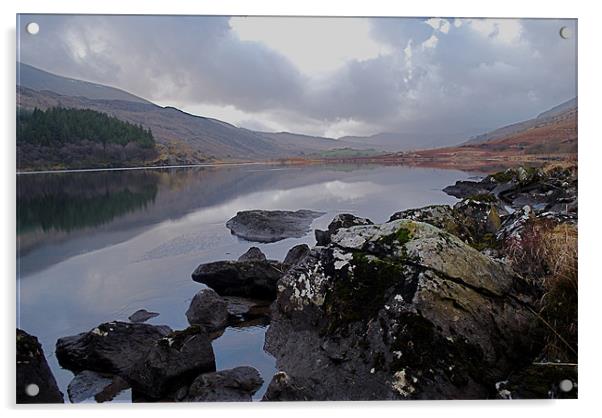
(344, 220)
(475, 220)
(112, 347)
(271, 225)
(252, 279)
(233, 385)
(208, 310)
(33, 373)
(402, 310)
(173, 361)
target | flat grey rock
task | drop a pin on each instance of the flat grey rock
(272, 225)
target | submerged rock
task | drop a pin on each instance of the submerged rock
(233, 385)
(88, 384)
(112, 347)
(32, 369)
(173, 361)
(401, 310)
(142, 315)
(208, 310)
(253, 279)
(271, 226)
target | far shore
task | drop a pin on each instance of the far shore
(486, 164)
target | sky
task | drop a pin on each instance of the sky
(451, 78)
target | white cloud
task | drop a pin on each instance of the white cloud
(441, 25)
(322, 76)
(315, 45)
(503, 30)
(430, 42)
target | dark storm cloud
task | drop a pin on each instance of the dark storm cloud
(447, 77)
(194, 58)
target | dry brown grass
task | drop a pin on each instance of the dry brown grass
(569, 164)
(547, 255)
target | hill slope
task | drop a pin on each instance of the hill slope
(206, 138)
(550, 116)
(36, 79)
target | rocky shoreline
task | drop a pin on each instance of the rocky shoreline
(440, 302)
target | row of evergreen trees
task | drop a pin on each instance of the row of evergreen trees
(59, 126)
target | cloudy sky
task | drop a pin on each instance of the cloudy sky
(321, 76)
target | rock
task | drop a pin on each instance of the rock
(233, 385)
(247, 312)
(476, 222)
(282, 389)
(112, 347)
(88, 384)
(514, 224)
(208, 310)
(401, 310)
(239, 306)
(142, 315)
(296, 254)
(253, 254)
(464, 188)
(540, 381)
(117, 386)
(173, 361)
(344, 220)
(544, 190)
(441, 216)
(271, 226)
(252, 279)
(32, 369)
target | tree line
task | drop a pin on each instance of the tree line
(59, 126)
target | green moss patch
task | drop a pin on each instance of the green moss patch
(359, 295)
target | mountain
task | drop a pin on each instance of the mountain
(550, 136)
(548, 117)
(301, 143)
(36, 79)
(558, 110)
(395, 141)
(183, 138)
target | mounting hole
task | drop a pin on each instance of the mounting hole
(32, 390)
(565, 32)
(566, 385)
(32, 28)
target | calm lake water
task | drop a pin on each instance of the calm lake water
(95, 247)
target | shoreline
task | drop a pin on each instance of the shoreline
(486, 165)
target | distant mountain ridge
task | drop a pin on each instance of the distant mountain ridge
(40, 80)
(193, 138)
(549, 116)
(396, 141)
(184, 138)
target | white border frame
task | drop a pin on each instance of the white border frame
(590, 153)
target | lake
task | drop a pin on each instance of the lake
(95, 247)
